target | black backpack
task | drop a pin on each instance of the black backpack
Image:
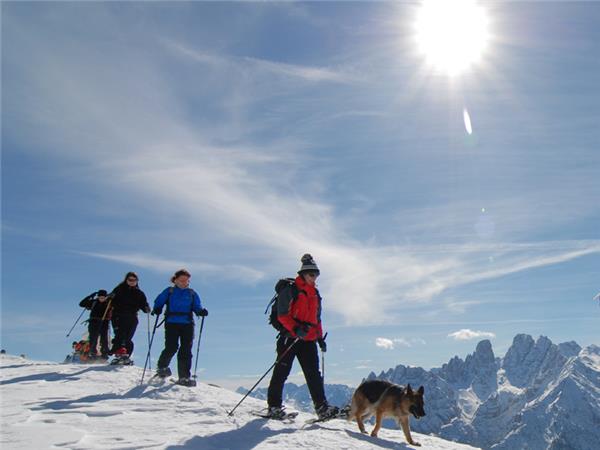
(286, 292)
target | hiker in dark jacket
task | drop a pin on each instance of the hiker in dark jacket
(299, 339)
(181, 303)
(127, 299)
(98, 305)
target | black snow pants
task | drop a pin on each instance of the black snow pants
(308, 356)
(124, 326)
(98, 328)
(178, 336)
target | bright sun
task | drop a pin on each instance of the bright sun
(452, 34)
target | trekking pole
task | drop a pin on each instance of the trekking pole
(69, 333)
(230, 413)
(198, 347)
(323, 366)
(111, 296)
(148, 321)
(149, 348)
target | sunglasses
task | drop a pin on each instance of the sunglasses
(131, 279)
(312, 274)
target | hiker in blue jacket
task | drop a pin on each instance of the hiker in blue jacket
(181, 303)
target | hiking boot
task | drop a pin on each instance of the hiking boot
(276, 412)
(326, 411)
(186, 382)
(163, 372)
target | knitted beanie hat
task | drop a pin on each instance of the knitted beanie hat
(308, 264)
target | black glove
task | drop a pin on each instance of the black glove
(322, 344)
(202, 313)
(301, 330)
(146, 309)
(156, 312)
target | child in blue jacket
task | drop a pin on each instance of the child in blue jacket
(181, 303)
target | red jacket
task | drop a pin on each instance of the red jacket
(305, 309)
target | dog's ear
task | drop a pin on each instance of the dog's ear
(421, 390)
(409, 389)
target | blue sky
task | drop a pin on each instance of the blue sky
(231, 138)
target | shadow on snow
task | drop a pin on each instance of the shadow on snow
(384, 443)
(244, 438)
(56, 376)
(135, 392)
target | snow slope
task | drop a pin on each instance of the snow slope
(69, 406)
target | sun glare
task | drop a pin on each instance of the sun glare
(451, 34)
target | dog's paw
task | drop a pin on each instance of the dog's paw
(374, 435)
(416, 444)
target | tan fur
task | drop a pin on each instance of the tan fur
(394, 402)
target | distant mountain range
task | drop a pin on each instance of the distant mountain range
(540, 396)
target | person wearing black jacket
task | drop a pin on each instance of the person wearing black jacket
(127, 300)
(97, 322)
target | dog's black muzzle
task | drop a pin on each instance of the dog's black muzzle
(416, 411)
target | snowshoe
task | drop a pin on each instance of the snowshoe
(188, 382)
(275, 413)
(325, 412)
(344, 412)
(122, 360)
(155, 380)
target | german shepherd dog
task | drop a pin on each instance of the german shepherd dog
(385, 399)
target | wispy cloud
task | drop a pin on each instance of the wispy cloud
(260, 66)
(164, 265)
(465, 335)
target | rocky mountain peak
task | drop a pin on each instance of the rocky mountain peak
(569, 349)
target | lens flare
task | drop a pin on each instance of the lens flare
(467, 120)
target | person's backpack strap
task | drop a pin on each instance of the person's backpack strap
(167, 312)
(191, 291)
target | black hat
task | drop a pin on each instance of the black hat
(101, 293)
(308, 264)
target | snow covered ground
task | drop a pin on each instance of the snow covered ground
(69, 406)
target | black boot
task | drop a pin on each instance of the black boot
(325, 411)
(163, 372)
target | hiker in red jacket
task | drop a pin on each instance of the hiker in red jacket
(303, 322)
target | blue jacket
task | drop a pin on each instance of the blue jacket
(181, 304)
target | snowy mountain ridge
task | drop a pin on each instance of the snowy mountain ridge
(539, 396)
(77, 407)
